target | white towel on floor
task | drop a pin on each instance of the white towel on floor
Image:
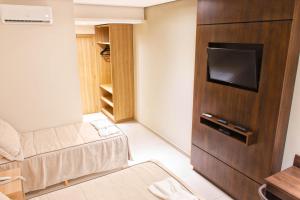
(170, 189)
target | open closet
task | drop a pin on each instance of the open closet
(105, 61)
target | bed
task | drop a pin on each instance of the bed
(63, 153)
(130, 183)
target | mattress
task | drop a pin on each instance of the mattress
(68, 152)
(128, 184)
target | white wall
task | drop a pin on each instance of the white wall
(292, 145)
(164, 59)
(90, 30)
(164, 66)
(39, 81)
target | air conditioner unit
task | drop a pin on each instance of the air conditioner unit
(21, 14)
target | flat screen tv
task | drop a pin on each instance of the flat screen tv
(236, 65)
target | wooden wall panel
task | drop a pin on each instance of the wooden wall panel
(88, 72)
(236, 184)
(244, 107)
(233, 11)
(288, 89)
(276, 25)
(121, 38)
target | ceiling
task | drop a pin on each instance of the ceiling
(92, 22)
(129, 3)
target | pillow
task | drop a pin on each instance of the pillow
(10, 145)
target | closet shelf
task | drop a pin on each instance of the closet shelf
(107, 100)
(107, 87)
(103, 43)
(115, 67)
(102, 26)
(108, 112)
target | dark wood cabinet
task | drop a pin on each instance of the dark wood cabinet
(236, 168)
(240, 11)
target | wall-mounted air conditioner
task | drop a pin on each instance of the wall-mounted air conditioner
(21, 14)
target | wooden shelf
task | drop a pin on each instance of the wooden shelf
(229, 130)
(103, 43)
(102, 26)
(119, 99)
(108, 100)
(107, 88)
(108, 111)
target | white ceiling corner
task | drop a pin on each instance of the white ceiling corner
(89, 22)
(127, 3)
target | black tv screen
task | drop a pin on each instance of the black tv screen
(236, 65)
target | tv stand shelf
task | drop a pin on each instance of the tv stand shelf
(229, 130)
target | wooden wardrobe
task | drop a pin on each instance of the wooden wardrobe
(112, 78)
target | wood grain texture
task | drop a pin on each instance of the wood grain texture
(107, 87)
(108, 111)
(105, 70)
(288, 90)
(116, 76)
(297, 161)
(257, 111)
(108, 100)
(285, 184)
(233, 11)
(13, 190)
(224, 176)
(276, 25)
(88, 73)
(104, 66)
(248, 136)
(103, 34)
(121, 39)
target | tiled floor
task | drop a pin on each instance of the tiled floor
(145, 145)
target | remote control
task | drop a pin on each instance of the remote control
(207, 115)
(223, 121)
(4, 178)
(240, 128)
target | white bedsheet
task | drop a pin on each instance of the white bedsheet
(128, 184)
(64, 153)
(170, 189)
